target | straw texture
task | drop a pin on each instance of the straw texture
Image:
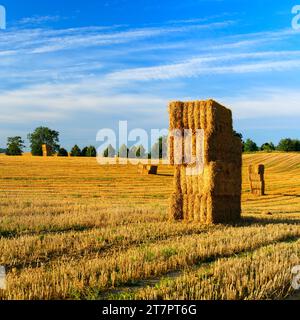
(210, 193)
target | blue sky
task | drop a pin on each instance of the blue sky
(80, 66)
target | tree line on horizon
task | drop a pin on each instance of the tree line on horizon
(44, 135)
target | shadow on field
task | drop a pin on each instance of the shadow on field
(165, 175)
(289, 195)
(248, 221)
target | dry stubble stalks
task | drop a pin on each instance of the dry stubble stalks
(56, 235)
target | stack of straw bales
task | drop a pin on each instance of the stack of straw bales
(256, 179)
(212, 194)
(46, 150)
(147, 169)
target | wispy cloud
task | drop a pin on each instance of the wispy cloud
(263, 62)
(266, 102)
(37, 20)
(60, 101)
(60, 75)
(44, 40)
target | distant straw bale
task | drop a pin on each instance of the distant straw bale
(147, 169)
(257, 179)
(46, 150)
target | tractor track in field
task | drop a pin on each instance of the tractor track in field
(106, 250)
(173, 274)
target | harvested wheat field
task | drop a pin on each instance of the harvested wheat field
(72, 229)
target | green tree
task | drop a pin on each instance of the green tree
(62, 152)
(268, 146)
(141, 152)
(289, 145)
(123, 151)
(250, 146)
(160, 148)
(15, 146)
(84, 152)
(43, 135)
(91, 151)
(109, 152)
(75, 151)
(237, 134)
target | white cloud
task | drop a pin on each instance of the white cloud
(50, 40)
(48, 102)
(60, 86)
(267, 102)
(263, 62)
(39, 19)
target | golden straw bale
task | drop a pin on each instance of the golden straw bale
(190, 205)
(191, 116)
(177, 179)
(183, 180)
(171, 149)
(197, 115)
(197, 207)
(147, 169)
(176, 115)
(210, 178)
(175, 209)
(185, 208)
(46, 150)
(185, 116)
(178, 150)
(256, 179)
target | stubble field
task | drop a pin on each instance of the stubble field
(72, 229)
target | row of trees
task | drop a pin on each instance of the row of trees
(158, 150)
(44, 135)
(285, 145)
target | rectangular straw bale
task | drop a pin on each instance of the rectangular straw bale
(176, 115)
(197, 115)
(152, 169)
(203, 208)
(211, 195)
(175, 208)
(195, 180)
(256, 179)
(203, 115)
(171, 149)
(191, 204)
(185, 207)
(178, 149)
(191, 116)
(183, 180)
(197, 207)
(46, 150)
(185, 119)
(187, 144)
(189, 180)
(177, 180)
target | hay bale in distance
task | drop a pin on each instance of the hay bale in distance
(46, 150)
(211, 195)
(147, 169)
(257, 179)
